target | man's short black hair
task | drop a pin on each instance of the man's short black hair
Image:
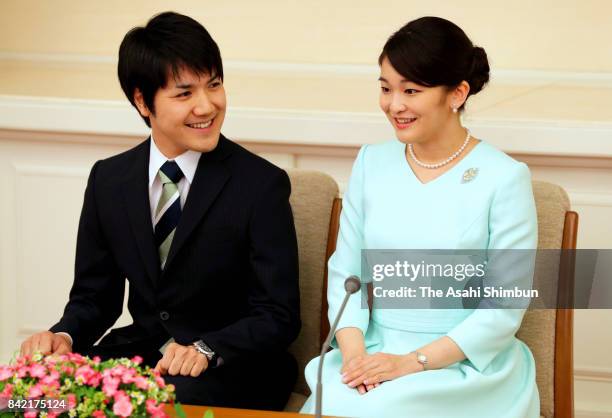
(168, 43)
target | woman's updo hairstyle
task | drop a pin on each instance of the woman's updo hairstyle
(432, 51)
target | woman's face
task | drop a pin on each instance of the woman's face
(416, 112)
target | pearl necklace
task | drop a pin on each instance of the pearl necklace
(443, 163)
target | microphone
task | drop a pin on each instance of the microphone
(351, 285)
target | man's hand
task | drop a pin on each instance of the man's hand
(47, 343)
(182, 359)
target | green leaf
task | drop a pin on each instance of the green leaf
(209, 414)
(180, 413)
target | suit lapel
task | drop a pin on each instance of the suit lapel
(136, 195)
(208, 181)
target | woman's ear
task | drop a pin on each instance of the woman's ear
(140, 104)
(459, 95)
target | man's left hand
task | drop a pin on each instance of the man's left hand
(182, 359)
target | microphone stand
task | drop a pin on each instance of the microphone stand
(351, 285)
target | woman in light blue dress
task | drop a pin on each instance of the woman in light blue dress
(435, 187)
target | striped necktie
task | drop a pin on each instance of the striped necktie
(168, 210)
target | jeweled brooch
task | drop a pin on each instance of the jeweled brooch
(469, 175)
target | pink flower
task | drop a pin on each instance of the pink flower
(76, 358)
(50, 360)
(110, 385)
(51, 380)
(98, 414)
(30, 414)
(62, 358)
(72, 403)
(67, 369)
(122, 406)
(137, 359)
(154, 409)
(38, 370)
(128, 376)
(160, 382)
(5, 372)
(94, 380)
(35, 391)
(22, 371)
(141, 382)
(118, 370)
(8, 391)
(85, 374)
(23, 360)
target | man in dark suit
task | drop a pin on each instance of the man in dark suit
(200, 227)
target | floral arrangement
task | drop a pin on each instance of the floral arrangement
(72, 385)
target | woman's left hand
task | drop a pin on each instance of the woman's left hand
(376, 368)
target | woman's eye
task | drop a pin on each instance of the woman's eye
(384, 89)
(410, 91)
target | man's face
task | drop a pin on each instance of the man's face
(189, 112)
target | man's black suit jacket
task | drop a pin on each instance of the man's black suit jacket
(231, 277)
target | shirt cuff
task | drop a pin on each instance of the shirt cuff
(67, 335)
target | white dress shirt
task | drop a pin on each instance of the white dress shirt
(187, 162)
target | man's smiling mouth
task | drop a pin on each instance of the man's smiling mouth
(200, 125)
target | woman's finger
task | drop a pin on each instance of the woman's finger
(350, 374)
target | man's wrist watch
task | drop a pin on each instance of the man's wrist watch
(203, 348)
(421, 359)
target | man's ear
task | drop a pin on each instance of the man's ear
(140, 104)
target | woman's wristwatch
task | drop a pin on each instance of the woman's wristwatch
(421, 359)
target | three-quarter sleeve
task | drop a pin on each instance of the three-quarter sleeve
(346, 260)
(512, 225)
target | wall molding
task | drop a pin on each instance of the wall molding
(46, 170)
(590, 199)
(303, 127)
(593, 374)
(501, 76)
(584, 413)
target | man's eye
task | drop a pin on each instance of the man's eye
(215, 84)
(184, 94)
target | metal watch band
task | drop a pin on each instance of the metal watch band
(203, 348)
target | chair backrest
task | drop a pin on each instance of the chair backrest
(547, 332)
(312, 197)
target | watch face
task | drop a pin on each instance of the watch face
(421, 358)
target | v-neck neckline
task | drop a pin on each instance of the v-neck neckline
(441, 176)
